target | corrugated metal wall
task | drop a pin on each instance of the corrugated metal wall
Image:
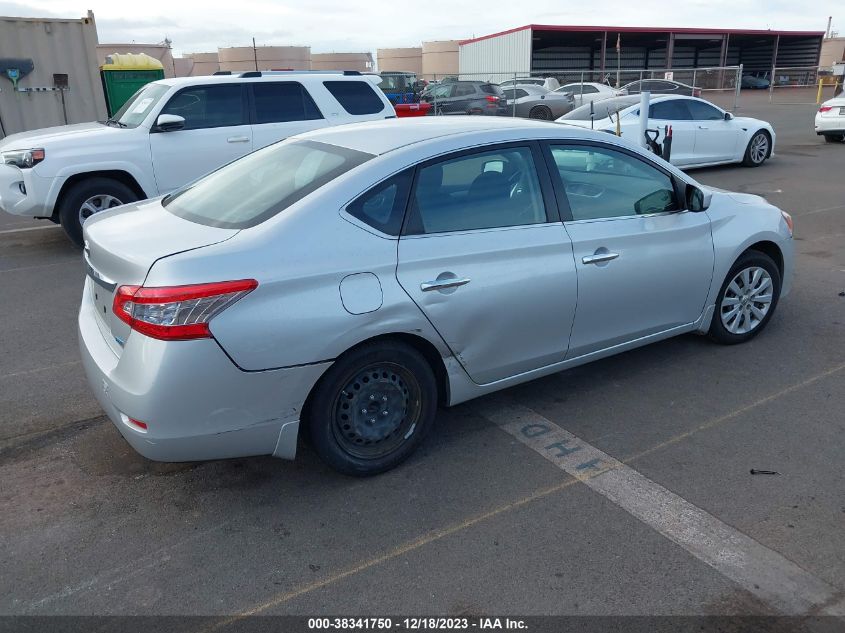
(56, 47)
(496, 57)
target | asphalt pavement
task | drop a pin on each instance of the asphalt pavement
(480, 520)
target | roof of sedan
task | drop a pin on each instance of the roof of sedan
(380, 137)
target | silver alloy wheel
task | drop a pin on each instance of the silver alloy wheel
(759, 148)
(95, 204)
(747, 300)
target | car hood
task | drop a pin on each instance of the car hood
(47, 137)
(736, 196)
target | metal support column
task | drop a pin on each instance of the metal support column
(670, 50)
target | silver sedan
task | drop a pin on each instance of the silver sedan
(535, 102)
(346, 282)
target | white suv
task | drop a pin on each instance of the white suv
(170, 133)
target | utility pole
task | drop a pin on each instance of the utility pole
(254, 54)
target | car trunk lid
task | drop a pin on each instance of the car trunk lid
(121, 245)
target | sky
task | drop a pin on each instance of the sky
(349, 26)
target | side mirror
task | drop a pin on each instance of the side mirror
(169, 123)
(697, 199)
(728, 116)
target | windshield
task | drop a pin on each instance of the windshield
(250, 190)
(392, 82)
(139, 105)
(600, 109)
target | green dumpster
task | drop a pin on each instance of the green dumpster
(124, 74)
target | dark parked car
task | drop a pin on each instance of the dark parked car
(466, 97)
(754, 82)
(661, 87)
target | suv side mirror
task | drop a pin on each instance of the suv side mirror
(697, 199)
(728, 116)
(169, 123)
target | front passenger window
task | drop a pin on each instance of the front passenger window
(208, 106)
(605, 183)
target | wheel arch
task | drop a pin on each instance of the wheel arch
(767, 248)
(123, 177)
(425, 347)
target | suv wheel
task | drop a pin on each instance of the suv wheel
(834, 138)
(88, 197)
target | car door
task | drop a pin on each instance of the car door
(443, 98)
(674, 112)
(644, 263)
(281, 109)
(216, 132)
(485, 257)
(463, 99)
(716, 139)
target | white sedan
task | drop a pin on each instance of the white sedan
(830, 119)
(702, 134)
(586, 92)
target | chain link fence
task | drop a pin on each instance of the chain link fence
(799, 85)
(449, 95)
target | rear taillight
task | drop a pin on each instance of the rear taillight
(492, 99)
(696, 92)
(177, 313)
(825, 108)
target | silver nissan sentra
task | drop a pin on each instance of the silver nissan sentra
(348, 281)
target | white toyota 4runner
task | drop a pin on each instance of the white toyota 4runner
(170, 133)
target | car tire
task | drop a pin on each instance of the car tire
(743, 297)
(108, 192)
(758, 150)
(372, 408)
(542, 113)
(834, 138)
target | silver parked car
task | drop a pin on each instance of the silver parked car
(348, 281)
(534, 102)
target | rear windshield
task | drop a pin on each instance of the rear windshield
(600, 109)
(492, 89)
(356, 97)
(248, 191)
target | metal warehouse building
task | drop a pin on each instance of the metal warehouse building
(539, 48)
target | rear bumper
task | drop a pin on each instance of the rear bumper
(196, 403)
(24, 193)
(830, 125)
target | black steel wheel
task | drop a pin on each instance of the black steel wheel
(372, 408)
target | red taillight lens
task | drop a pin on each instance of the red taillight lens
(177, 313)
(492, 99)
(825, 108)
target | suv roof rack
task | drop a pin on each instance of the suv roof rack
(222, 72)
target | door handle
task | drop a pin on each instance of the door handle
(238, 139)
(703, 127)
(599, 258)
(443, 284)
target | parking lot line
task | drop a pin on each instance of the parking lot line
(814, 211)
(759, 570)
(29, 228)
(735, 413)
(817, 593)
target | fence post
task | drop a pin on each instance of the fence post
(513, 104)
(693, 79)
(434, 90)
(738, 87)
(772, 84)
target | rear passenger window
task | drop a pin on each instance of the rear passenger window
(483, 190)
(281, 102)
(383, 206)
(356, 97)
